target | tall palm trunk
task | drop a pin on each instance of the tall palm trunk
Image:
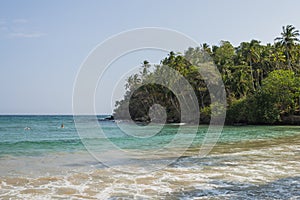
(252, 75)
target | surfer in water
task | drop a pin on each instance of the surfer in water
(62, 125)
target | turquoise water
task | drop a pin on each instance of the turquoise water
(45, 161)
(46, 135)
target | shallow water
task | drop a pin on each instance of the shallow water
(47, 162)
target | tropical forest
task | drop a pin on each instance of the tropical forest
(261, 81)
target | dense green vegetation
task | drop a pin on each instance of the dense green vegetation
(262, 82)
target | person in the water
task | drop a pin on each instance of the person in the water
(62, 125)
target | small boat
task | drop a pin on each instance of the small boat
(177, 124)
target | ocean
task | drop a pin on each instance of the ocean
(41, 160)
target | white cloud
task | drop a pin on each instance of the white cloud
(20, 21)
(27, 35)
(18, 28)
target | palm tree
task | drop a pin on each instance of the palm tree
(289, 37)
(253, 56)
(206, 48)
(277, 57)
(250, 51)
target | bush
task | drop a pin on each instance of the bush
(237, 112)
(262, 109)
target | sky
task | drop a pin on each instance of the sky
(44, 43)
